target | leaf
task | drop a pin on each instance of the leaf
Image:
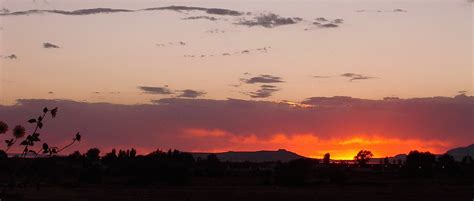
(45, 109)
(32, 121)
(78, 137)
(40, 118)
(24, 142)
(45, 146)
(40, 125)
(53, 112)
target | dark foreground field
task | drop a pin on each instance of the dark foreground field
(177, 176)
(402, 190)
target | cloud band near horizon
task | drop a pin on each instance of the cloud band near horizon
(339, 125)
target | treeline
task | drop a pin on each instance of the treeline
(173, 167)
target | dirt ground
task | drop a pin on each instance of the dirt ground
(402, 192)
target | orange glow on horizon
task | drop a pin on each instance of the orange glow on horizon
(311, 146)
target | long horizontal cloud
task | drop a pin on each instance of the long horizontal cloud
(155, 90)
(92, 11)
(269, 20)
(264, 79)
(165, 124)
(49, 45)
(11, 56)
(265, 91)
(189, 93)
(354, 76)
(240, 52)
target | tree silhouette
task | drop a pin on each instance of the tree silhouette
(3, 155)
(386, 161)
(363, 157)
(447, 164)
(327, 158)
(467, 160)
(93, 154)
(419, 164)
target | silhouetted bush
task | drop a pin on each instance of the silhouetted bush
(419, 164)
(363, 157)
(293, 173)
(93, 154)
(3, 155)
(447, 165)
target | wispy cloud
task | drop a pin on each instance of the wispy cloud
(322, 22)
(201, 17)
(49, 45)
(189, 93)
(269, 20)
(74, 12)
(92, 11)
(264, 79)
(396, 10)
(240, 52)
(354, 76)
(213, 11)
(180, 43)
(265, 91)
(155, 90)
(321, 76)
(11, 56)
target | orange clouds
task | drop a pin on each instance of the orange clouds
(339, 125)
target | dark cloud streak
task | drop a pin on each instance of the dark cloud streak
(155, 90)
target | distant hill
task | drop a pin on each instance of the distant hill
(253, 156)
(460, 152)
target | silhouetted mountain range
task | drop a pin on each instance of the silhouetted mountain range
(285, 156)
(460, 152)
(253, 156)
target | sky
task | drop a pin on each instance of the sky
(308, 76)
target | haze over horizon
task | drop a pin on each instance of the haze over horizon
(307, 76)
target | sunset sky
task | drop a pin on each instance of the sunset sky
(307, 76)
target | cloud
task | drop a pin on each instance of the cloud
(321, 19)
(155, 90)
(49, 45)
(264, 79)
(240, 52)
(322, 22)
(180, 43)
(201, 17)
(265, 91)
(214, 11)
(354, 76)
(399, 10)
(269, 20)
(215, 31)
(92, 11)
(166, 123)
(189, 93)
(11, 56)
(328, 25)
(338, 21)
(321, 76)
